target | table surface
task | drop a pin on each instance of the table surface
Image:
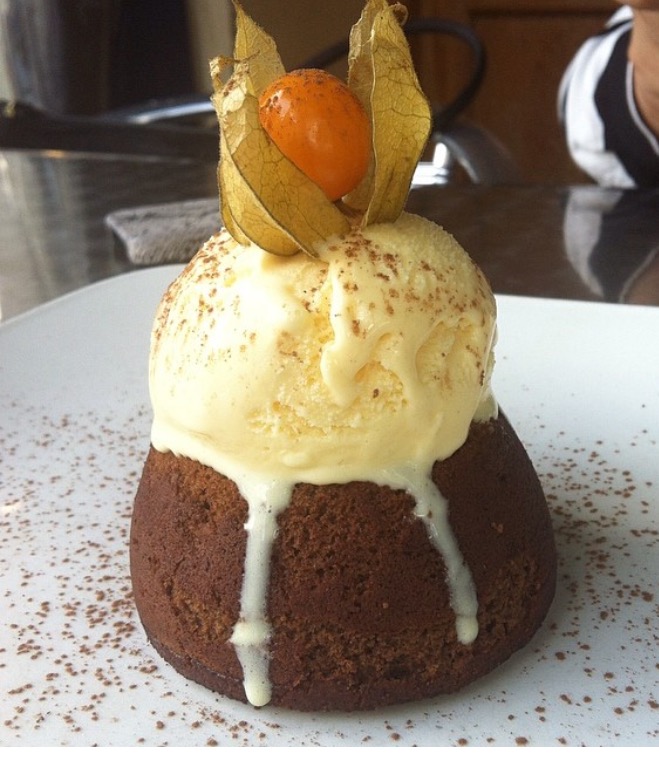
(581, 243)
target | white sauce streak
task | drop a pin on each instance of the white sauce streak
(252, 633)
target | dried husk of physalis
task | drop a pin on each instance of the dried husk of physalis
(264, 198)
(382, 74)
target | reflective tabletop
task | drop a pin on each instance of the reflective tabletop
(582, 243)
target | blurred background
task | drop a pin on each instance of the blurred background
(87, 57)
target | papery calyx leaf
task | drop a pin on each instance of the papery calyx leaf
(265, 199)
(382, 74)
(253, 43)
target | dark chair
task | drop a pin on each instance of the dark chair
(185, 128)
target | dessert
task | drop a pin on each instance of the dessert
(333, 514)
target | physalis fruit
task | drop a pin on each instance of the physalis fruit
(321, 126)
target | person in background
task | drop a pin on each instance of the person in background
(609, 100)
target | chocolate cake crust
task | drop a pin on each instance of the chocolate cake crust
(358, 601)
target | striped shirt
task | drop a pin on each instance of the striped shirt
(605, 132)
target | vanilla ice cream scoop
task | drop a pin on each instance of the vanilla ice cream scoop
(374, 356)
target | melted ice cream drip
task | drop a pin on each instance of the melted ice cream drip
(252, 633)
(432, 508)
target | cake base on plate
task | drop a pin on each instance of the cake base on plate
(358, 602)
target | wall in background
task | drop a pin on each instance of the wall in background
(160, 48)
(85, 56)
(302, 28)
(211, 30)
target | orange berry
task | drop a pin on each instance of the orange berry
(320, 125)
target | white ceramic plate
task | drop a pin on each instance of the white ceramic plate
(580, 383)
